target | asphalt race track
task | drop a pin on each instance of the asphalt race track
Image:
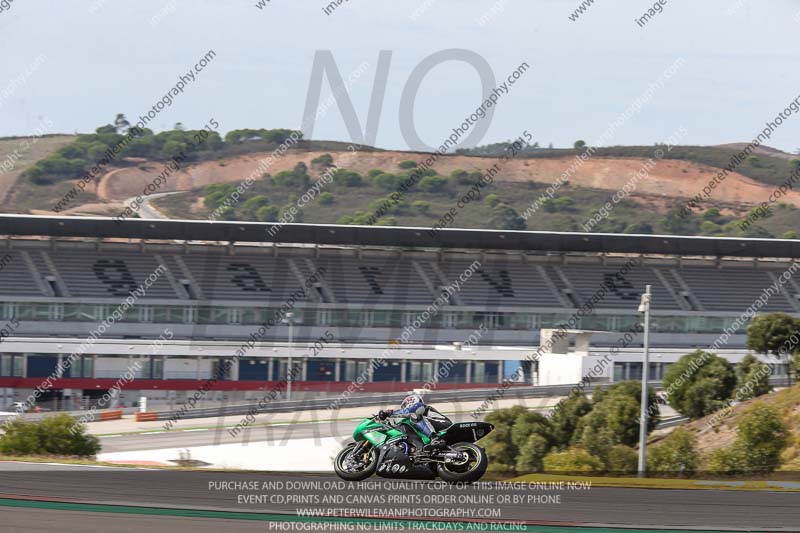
(224, 495)
(181, 438)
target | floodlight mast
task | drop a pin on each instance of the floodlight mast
(644, 307)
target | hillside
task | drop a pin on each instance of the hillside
(520, 183)
(787, 401)
(18, 153)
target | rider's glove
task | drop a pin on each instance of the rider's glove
(383, 415)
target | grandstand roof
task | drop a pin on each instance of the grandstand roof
(404, 237)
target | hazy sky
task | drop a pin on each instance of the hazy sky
(101, 57)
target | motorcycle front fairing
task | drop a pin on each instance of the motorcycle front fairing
(376, 433)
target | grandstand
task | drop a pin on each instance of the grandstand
(210, 286)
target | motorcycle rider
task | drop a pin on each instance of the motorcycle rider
(414, 408)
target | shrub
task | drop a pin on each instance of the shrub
(572, 460)
(347, 178)
(462, 177)
(622, 460)
(506, 217)
(762, 435)
(56, 435)
(641, 228)
(699, 383)
(421, 206)
(407, 164)
(325, 160)
(267, 213)
(677, 454)
(432, 183)
(326, 198)
(492, 200)
(390, 182)
(727, 461)
(252, 204)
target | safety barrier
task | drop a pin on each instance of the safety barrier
(111, 415)
(363, 400)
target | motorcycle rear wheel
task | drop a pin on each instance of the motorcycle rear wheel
(468, 472)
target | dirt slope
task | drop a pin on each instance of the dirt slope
(670, 179)
(787, 401)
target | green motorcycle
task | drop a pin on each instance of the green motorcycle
(395, 450)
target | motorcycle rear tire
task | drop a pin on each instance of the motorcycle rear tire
(473, 473)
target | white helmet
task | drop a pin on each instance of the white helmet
(411, 400)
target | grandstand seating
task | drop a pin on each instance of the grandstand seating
(376, 280)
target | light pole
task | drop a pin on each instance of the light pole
(644, 307)
(290, 320)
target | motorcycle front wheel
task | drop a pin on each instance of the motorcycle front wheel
(468, 471)
(355, 468)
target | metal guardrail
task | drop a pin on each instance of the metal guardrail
(363, 400)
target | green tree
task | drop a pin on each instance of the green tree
(173, 148)
(752, 378)
(108, 128)
(499, 444)
(407, 164)
(531, 454)
(121, 124)
(677, 454)
(579, 144)
(347, 178)
(267, 213)
(566, 416)
(326, 198)
(432, 184)
(252, 204)
(389, 182)
(678, 223)
(772, 333)
(615, 420)
(527, 424)
(699, 383)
